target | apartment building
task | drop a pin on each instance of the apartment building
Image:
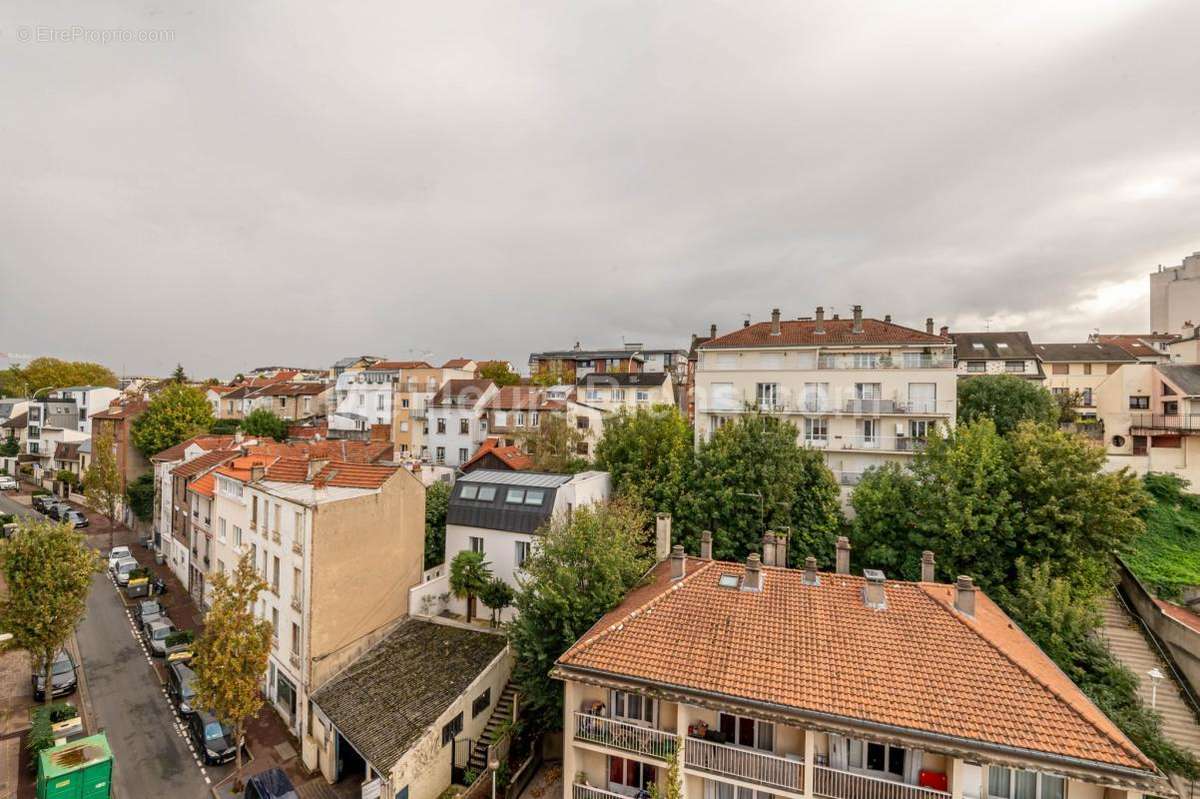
(117, 421)
(794, 683)
(1078, 370)
(188, 551)
(413, 392)
(1175, 295)
(863, 391)
(339, 544)
(688, 398)
(1000, 353)
(163, 464)
(573, 363)
(457, 420)
(1151, 416)
(291, 401)
(87, 400)
(1145, 347)
(517, 411)
(629, 390)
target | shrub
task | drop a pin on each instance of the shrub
(180, 637)
(40, 734)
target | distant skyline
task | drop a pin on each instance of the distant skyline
(232, 185)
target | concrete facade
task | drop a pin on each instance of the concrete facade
(1175, 296)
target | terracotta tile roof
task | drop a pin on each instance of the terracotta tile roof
(288, 470)
(512, 457)
(221, 389)
(340, 474)
(460, 390)
(291, 390)
(838, 332)
(206, 442)
(918, 665)
(1136, 345)
(203, 485)
(388, 366)
(523, 398)
(239, 468)
(67, 451)
(350, 451)
(1182, 615)
(125, 410)
(308, 430)
(205, 462)
(456, 363)
(18, 422)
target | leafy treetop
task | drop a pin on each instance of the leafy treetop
(175, 414)
(263, 423)
(40, 373)
(648, 454)
(499, 373)
(1007, 400)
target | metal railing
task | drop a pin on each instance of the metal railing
(623, 735)
(1178, 421)
(850, 478)
(745, 764)
(589, 792)
(837, 784)
(888, 443)
(885, 362)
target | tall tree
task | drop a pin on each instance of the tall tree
(752, 476)
(231, 652)
(549, 377)
(469, 576)
(140, 496)
(103, 488)
(175, 414)
(649, 455)
(43, 373)
(499, 373)
(496, 596)
(581, 568)
(437, 502)
(1007, 400)
(554, 445)
(179, 376)
(48, 569)
(264, 424)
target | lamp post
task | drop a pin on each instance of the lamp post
(1156, 676)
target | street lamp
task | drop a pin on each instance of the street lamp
(1156, 677)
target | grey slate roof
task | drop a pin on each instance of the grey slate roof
(498, 513)
(385, 700)
(1018, 345)
(505, 477)
(1187, 377)
(622, 379)
(1085, 352)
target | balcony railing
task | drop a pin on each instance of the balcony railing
(744, 764)
(836, 784)
(893, 362)
(624, 736)
(589, 792)
(297, 548)
(1158, 421)
(850, 478)
(886, 443)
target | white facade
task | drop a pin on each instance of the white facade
(362, 399)
(1175, 296)
(89, 400)
(457, 428)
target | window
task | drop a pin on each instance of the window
(1139, 403)
(978, 345)
(477, 544)
(297, 584)
(452, 728)
(816, 396)
(534, 418)
(441, 425)
(298, 526)
(481, 702)
(404, 402)
(976, 366)
(1085, 398)
(362, 400)
(582, 422)
(1171, 408)
(866, 360)
(464, 426)
(581, 448)
(922, 397)
(1014, 366)
(253, 512)
(816, 431)
(748, 732)
(275, 574)
(534, 496)
(1060, 368)
(516, 496)
(520, 418)
(633, 708)
(440, 456)
(278, 518)
(487, 493)
(867, 391)
(220, 566)
(462, 455)
(883, 759)
(220, 529)
(870, 431)
(468, 492)
(766, 395)
(1087, 368)
(237, 536)
(308, 403)
(625, 773)
(522, 552)
(295, 639)
(919, 428)
(1004, 783)
(275, 623)
(379, 402)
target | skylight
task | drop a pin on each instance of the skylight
(728, 581)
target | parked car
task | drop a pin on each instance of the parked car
(116, 554)
(212, 738)
(124, 567)
(42, 501)
(62, 678)
(180, 680)
(156, 632)
(55, 510)
(270, 784)
(148, 610)
(75, 518)
(8, 530)
(9, 483)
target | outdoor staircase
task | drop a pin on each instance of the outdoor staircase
(1128, 643)
(502, 712)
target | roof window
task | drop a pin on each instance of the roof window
(516, 496)
(533, 497)
(728, 581)
(486, 493)
(978, 345)
(469, 492)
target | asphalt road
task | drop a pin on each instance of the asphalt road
(151, 755)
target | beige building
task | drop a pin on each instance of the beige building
(863, 391)
(999, 353)
(1080, 369)
(291, 401)
(790, 683)
(1151, 415)
(339, 545)
(610, 392)
(1175, 295)
(417, 384)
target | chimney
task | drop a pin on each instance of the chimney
(678, 562)
(929, 325)
(256, 472)
(754, 577)
(781, 550)
(927, 567)
(819, 327)
(746, 322)
(662, 536)
(843, 555)
(315, 465)
(945, 331)
(887, 318)
(873, 594)
(706, 544)
(238, 438)
(712, 331)
(775, 330)
(857, 328)
(810, 571)
(964, 596)
(768, 546)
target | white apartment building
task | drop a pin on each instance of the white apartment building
(89, 400)
(863, 391)
(610, 392)
(456, 420)
(363, 398)
(1000, 353)
(1175, 296)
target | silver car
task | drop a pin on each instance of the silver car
(122, 570)
(156, 633)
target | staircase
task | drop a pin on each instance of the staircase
(1128, 643)
(502, 712)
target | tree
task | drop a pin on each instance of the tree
(750, 477)
(224, 427)
(672, 787)
(1007, 400)
(140, 496)
(437, 502)
(583, 566)
(102, 483)
(496, 596)
(44, 373)
(231, 652)
(263, 423)
(176, 413)
(554, 445)
(48, 569)
(179, 376)
(11, 446)
(648, 454)
(499, 373)
(547, 376)
(469, 576)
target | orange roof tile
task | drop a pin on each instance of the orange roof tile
(209, 443)
(240, 468)
(354, 475)
(203, 485)
(205, 462)
(388, 366)
(512, 457)
(838, 332)
(456, 363)
(917, 665)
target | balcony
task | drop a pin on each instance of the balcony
(883, 443)
(850, 478)
(836, 784)
(294, 659)
(623, 736)
(589, 792)
(1173, 423)
(911, 361)
(772, 771)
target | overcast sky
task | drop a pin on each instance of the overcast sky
(294, 182)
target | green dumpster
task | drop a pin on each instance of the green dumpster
(79, 769)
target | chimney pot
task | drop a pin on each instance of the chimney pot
(754, 577)
(887, 318)
(810, 571)
(768, 546)
(927, 567)
(819, 327)
(857, 327)
(256, 472)
(775, 329)
(964, 595)
(678, 562)
(843, 555)
(945, 331)
(874, 595)
(781, 550)
(662, 536)
(706, 544)
(929, 325)
(712, 331)
(746, 323)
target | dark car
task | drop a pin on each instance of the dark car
(148, 610)
(42, 502)
(211, 737)
(55, 510)
(62, 678)
(75, 518)
(270, 784)
(180, 679)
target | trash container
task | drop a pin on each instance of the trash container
(76, 770)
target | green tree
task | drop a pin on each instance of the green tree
(649, 455)
(469, 576)
(48, 569)
(499, 373)
(437, 502)
(554, 445)
(42, 373)
(750, 477)
(263, 423)
(224, 427)
(140, 496)
(1007, 400)
(547, 376)
(672, 782)
(231, 652)
(496, 596)
(11, 446)
(103, 488)
(583, 566)
(179, 376)
(175, 414)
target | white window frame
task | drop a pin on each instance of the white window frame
(621, 703)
